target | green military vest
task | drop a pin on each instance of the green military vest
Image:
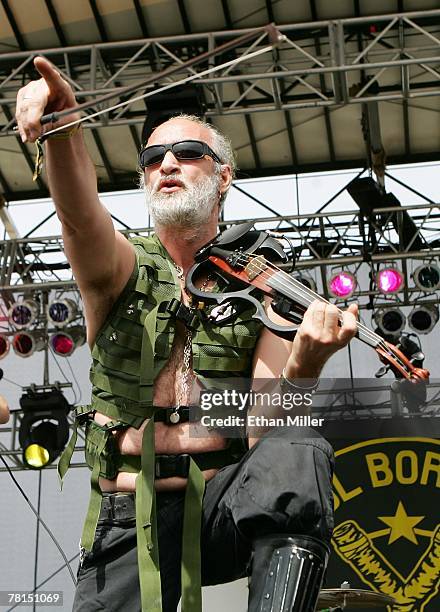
(136, 340)
(131, 348)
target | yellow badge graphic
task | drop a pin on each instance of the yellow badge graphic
(387, 520)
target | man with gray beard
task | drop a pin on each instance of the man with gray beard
(169, 510)
(189, 207)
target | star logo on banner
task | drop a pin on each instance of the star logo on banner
(402, 525)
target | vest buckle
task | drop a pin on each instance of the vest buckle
(182, 313)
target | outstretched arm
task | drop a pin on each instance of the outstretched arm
(101, 258)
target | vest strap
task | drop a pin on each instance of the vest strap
(82, 413)
(191, 569)
(146, 527)
(88, 534)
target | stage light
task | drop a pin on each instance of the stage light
(427, 277)
(389, 280)
(422, 319)
(4, 346)
(44, 428)
(64, 343)
(390, 320)
(26, 343)
(342, 285)
(23, 314)
(61, 312)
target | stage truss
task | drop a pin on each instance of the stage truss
(321, 65)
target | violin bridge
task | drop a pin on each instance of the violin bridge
(256, 266)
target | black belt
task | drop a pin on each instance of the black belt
(118, 507)
(180, 414)
(121, 506)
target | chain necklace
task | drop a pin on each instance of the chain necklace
(184, 386)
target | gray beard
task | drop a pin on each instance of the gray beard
(189, 207)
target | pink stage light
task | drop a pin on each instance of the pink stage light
(342, 285)
(62, 344)
(389, 280)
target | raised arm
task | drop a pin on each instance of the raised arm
(101, 258)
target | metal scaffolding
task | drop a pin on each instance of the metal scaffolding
(402, 49)
(322, 242)
(322, 65)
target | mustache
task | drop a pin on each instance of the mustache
(170, 178)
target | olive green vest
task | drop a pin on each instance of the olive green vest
(136, 340)
(131, 348)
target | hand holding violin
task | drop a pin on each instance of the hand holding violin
(323, 332)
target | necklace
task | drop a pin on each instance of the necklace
(184, 387)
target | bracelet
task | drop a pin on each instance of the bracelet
(66, 134)
(61, 135)
(286, 381)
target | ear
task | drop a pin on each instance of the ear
(226, 177)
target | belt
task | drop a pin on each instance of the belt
(118, 507)
(181, 414)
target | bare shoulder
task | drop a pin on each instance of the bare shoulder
(98, 297)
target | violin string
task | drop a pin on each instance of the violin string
(311, 295)
(406, 368)
(308, 294)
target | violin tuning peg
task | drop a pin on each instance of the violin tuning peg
(419, 356)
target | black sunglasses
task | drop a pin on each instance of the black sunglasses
(183, 150)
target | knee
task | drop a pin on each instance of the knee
(304, 439)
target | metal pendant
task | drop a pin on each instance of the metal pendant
(174, 417)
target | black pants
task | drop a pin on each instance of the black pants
(282, 485)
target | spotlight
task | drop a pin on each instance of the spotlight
(422, 319)
(23, 314)
(4, 346)
(342, 285)
(26, 343)
(427, 277)
(389, 280)
(64, 343)
(44, 429)
(390, 320)
(61, 312)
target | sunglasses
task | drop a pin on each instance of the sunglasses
(183, 150)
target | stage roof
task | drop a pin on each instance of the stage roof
(347, 84)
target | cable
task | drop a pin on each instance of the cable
(46, 580)
(11, 382)
(75, 398)
(77, 401)
(37, 539)
(55, 541)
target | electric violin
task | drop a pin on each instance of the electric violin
(243, 260)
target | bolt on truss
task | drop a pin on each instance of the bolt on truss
(387, 57)
(321, 243)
